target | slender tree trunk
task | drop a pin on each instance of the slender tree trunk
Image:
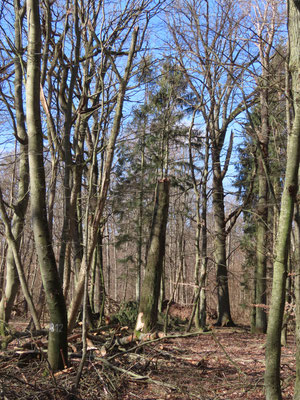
(261, 253)
(199, 309)
(57, 345)
(201, 312)
(100, 287)
(67, 108)
(297, 292)
(265, 46)
(85, 269)
(273, 346)
(148, 308)
(21, 276)
(140, 220)
(12, 282)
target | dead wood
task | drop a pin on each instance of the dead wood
(147, 379)
(181, 366)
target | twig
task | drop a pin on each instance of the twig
(139, 377)
(240, 372)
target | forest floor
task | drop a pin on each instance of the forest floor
(225, 363)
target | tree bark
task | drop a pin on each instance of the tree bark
(199, 307)
(18, 265)
(297, 292)
(261, 237)
(148, 308)
(12, 282)
(67, 109)
(273, 346)
(265, 45)
(57, 345)
(224, 315)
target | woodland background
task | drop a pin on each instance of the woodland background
(105, 99)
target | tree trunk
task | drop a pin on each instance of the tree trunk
(297, 292)
(12, 282)
(140, 221)
(148, 308)
(261, 234)
(17, 261)
(67, 109)
(199, 308)
(261, 253)
(273, 346)
(265, 46)
(224, 315)
(86, 261)
(201, 311)
(57, 345)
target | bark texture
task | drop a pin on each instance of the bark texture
(12, 282)
(151, 285)
(297, 292)
(57, 345)
(224, 314)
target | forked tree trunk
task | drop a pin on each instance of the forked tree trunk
(148, 308)
(273, 346)
(57, 344)
(17, 261)
(86, 261)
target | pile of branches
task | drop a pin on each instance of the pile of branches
(114, 357)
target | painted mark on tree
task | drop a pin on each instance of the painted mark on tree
(58, 328)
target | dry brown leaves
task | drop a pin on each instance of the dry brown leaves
(228, 364)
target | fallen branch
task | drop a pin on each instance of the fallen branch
(144, 378)
(240, 372)
(158, 339)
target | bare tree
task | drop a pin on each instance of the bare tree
(215, 63)
(57, 345)
(91, 235)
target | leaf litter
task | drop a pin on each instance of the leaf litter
(225, 363)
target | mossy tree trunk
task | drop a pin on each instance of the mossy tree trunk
(273, 346)
(148, 308)
(57, 344)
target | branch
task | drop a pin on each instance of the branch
(144, 378)
(228, 155)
